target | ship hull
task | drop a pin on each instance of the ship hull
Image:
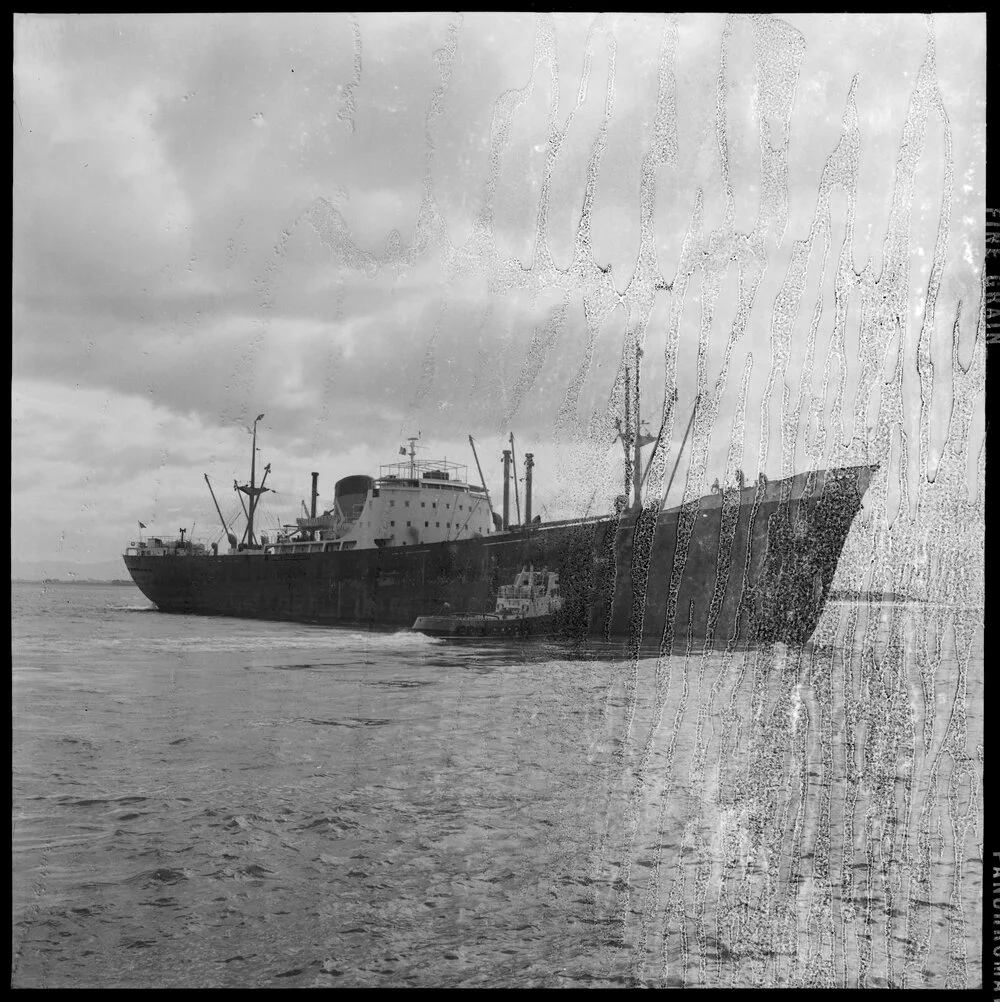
(729, 569)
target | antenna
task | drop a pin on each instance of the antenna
(413, 439)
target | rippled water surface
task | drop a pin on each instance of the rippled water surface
(210, 802)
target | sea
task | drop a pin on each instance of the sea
(210, 802)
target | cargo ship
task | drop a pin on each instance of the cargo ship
(746, 564)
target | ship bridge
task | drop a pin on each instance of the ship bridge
(432, 473)
(418, 501)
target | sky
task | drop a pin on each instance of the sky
(373, 226)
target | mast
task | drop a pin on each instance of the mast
(253, 492)
(413, 454)
(506, 489)
(637, 441)
(253, 466)
(529, 463)
(629, 458)
(513, 459)
(262, 489)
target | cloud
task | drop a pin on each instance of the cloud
(218, 215)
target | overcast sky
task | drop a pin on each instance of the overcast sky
(371, 226)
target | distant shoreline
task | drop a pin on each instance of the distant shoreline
(870, 596)
(71, 581)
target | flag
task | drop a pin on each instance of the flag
(402, 451)
(142, 525)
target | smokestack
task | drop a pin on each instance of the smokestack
(506, 489)
(529, 462)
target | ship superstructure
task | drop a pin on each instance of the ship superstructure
(533, 593)
(410, 503)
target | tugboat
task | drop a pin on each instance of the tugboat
(527, 607)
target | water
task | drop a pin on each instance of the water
(211, 802)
